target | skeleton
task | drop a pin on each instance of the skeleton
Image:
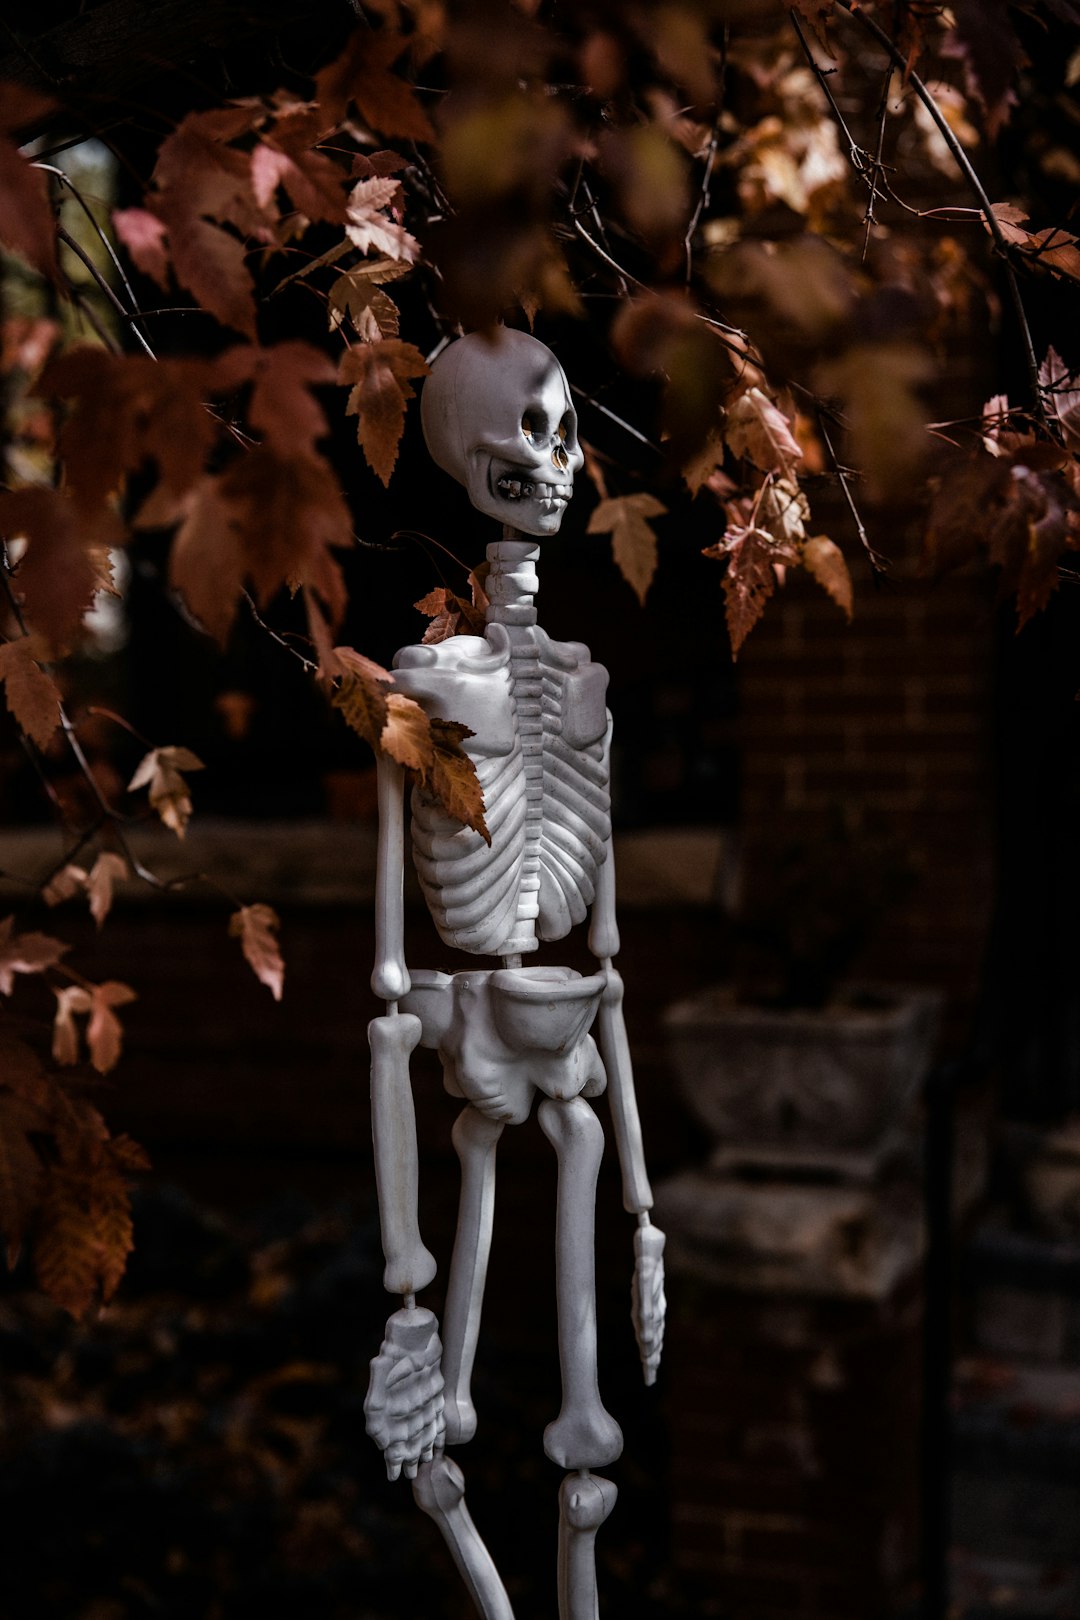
(497, 416)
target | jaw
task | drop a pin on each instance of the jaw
(523, 498)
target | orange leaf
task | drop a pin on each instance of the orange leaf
(451, 776)
(256, 927)
(32, 694)
(159, 770)
(362, 74)
(70, 1000)
(406, 735)
(56, 578)
(104, 1036)
(633, 540)
(368, 227)
(63, 884)
(20, 1169)
(206, 562)
(380, 373)
(361, 695)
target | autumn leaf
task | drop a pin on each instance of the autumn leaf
(256, 928)
(70, 999)
(64, 884)
(879, 384)
(361, 693)
(450, 615)
(288, 510)
(363, 74)
(104, 1036)
(145, 237)
(368, 227)
(21, 1171)
(356, 296)
(379, 374)
(108, 869)
(783, 510)
(84, 1232)
(25, 953)
(753, 556)
(633, 540)
(406, 734)
(27, 223)
(159, 770)
(755, 428)
(31, 693)
(56, 578)
(823, 559)
(451, 776)
(1062, 397)
(206, 563)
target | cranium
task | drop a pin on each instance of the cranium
(497, 417)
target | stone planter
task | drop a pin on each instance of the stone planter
(803, 1090)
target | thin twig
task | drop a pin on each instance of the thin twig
(65, 179)
(110, 293)
(702, 201)
(274, 634)
(967, 170)
(878, 564)
(627, 427)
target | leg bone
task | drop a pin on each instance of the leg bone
(584, 1435)
(585, 1500)
(439, 1490)
(475, 1139)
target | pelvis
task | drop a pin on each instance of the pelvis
(504, 1033)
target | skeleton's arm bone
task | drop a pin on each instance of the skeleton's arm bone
(615, 1049)
(409, 1266)
(390, 978)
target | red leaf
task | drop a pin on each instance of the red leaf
(56, 578)
(145, 237)
(27, 224)
(362, 74)
(380, 373)
(32, 694)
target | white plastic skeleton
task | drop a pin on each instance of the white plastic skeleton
(497, 415)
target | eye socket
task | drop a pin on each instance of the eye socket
(527, 426)
(562, 432)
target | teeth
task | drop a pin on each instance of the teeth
(517, 489)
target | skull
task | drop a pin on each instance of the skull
(497, 417)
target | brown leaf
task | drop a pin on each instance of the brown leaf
(27, 225)
(282, 408)
(379, 374)
(256, 927)
(753, 557)
(369, 227)
(56, 578)
(406, 733)
(84, 1232)
(755, 428)
(879, 384)
(372, 312)
(206, 564)
(1061, 391)
(361, 694)
(145, 237)
(650, 177)
(21, 1172)
(159, 770)
(633, 540)
(287, 511)
(104, 1036)
(70, 999)
(451, 776)
(450, 614)
(32, 695)
(108, 869)
(64, 885)
(362, 74)
(25, 953)
(823, 558)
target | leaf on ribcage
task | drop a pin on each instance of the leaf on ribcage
(361, 694)
(451, 777)
(406, 734)
(256, 928)
(450, 614)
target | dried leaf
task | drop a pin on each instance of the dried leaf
(451, 777)
(753, 557)
(27, 225)
(361, 694)
(450, 615)
(372, 312)
(84, 1232)
(145, 237)
(784, 511)
(104, 1036)
(406, 734)
(633, 540)
(363, 74)
(70, 999)
(823, 558)
(1062, 396)
(755, 428)
(256, 928)
(31, 693)
(879, 384)
(56, 578)
(368, 227)
(21, 1172)
(108, 869)
(25, 953)
(159, 770)
(206, 564)
(380, 376)
(64, 885)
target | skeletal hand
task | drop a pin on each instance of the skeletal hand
(404, 1404)
(648, 1303)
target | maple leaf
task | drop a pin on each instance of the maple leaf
(823, 559)
(755, 428)
(25, 953)
(753, 557)
(104, 1036)
(406, 733)
(379, 374)
(362, 74)
(256, 927)
(31, 693)
(206, 564)
(282, 407)
(451, 777)
(784, 511)
(108, 869)
(84, 1232)
(355, 295)
(285, 155)
(70, 999)
(64, 885)
(287, 510)
(56, 577)
(145, 237)
(159, 770)
(450, 614)
(27, 224)
(367, 227)
(21, 1171)
(633, 540)
(1062, 396)
(361, 694)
